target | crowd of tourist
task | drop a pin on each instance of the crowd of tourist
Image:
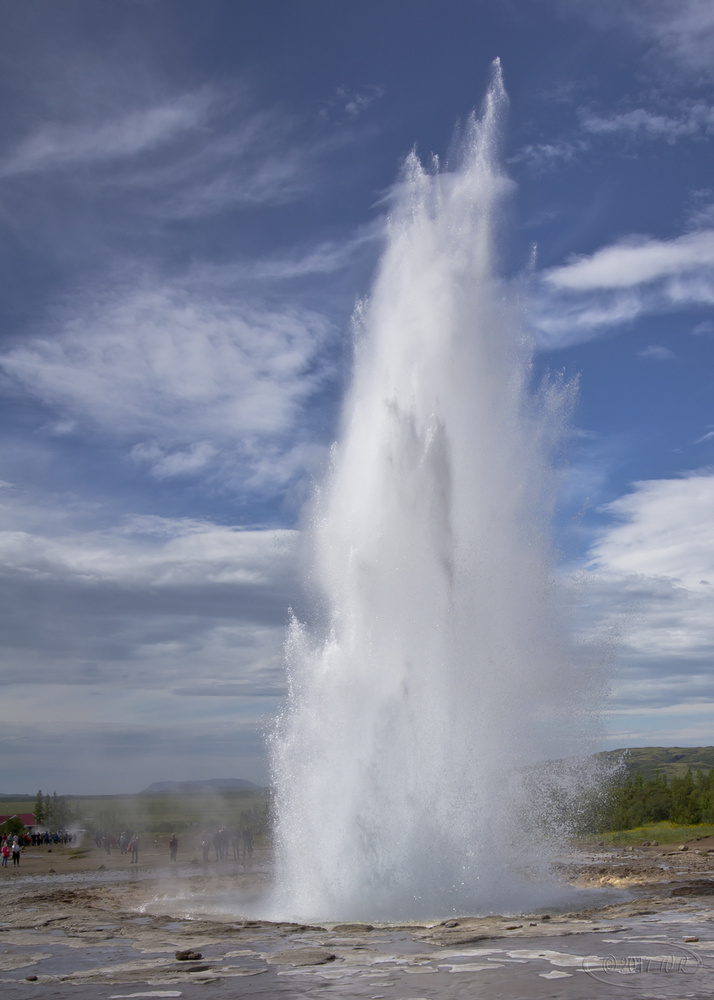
(46, 838)
(223, 843)
(13, 844)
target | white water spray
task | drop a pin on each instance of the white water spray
(441, 671)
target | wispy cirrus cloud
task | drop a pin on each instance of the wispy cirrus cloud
(681, 31)
(704, 329)
(181, 462)
(55, 146)
(347, 104)
(179, 373)
(701, 216)
(656, 352)
(303, 262)
(615, 285)
(694, 119)
(681, 37)
(688, 120)
(542, 157)
(185, 156)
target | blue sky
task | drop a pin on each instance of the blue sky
(192, 200)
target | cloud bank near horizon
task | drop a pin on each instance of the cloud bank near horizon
(650, 582)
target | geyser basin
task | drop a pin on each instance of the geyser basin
(439, 669)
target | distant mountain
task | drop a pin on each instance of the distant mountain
(671, 761)
(192, 787)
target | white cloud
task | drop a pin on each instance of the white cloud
(149, 552)
(635, 262)
(694, 119)
(664, 532)
(656, 352)
(615, 285)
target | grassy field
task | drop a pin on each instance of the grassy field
(664, 833)
(19, 805)
(672, 761)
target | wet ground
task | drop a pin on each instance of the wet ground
(177, 932)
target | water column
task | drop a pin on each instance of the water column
(437, 670)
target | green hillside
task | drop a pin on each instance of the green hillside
(671, 761)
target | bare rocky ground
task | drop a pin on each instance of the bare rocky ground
(73, 923)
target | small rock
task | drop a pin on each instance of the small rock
(545, 916)
(655, 843)
(450, 923)
(353, 928)
(646, 843)
(514, 927)
(682, 847)
(691, 940)
(52, 871)
(31, 979)
(187, 956)
(533, 923)
(102, 868)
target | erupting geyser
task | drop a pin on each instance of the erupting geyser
(441, 670)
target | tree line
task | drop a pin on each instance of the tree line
(52, 811)
(635, 801)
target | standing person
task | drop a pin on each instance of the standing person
(5, 853)
(15, 852)
(134, 848)
(173, 846)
